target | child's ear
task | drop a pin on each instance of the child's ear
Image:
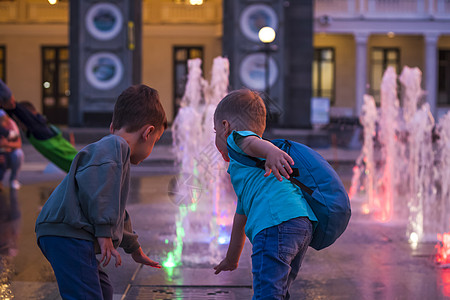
(227, 127)
(147, 130)
(111, 130)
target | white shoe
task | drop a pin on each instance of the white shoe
(15, 184)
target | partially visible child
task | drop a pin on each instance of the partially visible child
(272, 212)
(11, 154)
(45, 138)
(86, 213)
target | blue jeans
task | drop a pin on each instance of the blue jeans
(278, 252)
(77, 271)
(13, 160)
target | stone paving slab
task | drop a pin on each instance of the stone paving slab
(189, 292)
(194, 276)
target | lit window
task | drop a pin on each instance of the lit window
(180, 57)
(55, 83)
(3, 63)
(323, 73)
(381, 59)
(444, 78)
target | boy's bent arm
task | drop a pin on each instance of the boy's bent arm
(99, 189)
(140, 257)
(130, 239)
(277, 161)
(237, 242)
(131, 245)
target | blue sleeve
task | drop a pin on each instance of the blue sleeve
(236, 136)
(239, 208)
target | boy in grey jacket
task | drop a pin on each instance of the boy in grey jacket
(86, 215)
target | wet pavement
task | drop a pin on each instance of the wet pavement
(370, 261)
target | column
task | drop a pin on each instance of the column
(431, 70)
(298, 26)
(361, 70)
(362, 7)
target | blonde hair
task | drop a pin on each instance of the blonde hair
(244, 110)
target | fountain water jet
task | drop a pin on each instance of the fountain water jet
(403, 170)
(203, 191)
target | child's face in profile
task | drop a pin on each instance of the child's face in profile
(222, 133)
(145, 147)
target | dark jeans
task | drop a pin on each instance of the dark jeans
(12, 160)
(278, 252)
(76, 269)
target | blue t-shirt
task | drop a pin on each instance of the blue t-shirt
(264, 200)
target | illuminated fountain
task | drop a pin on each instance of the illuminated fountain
(202, 189)
(443, 249)
(403, 171)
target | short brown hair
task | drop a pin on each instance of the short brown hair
(244, 109)
(136, 107)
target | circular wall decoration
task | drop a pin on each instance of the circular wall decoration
(256, 16)
(104, 70)
(104, 21)
(253, 71)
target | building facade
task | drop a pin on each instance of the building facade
(354, 41)
(34, 57)
(366, 36)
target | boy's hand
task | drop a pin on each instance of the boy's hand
(107, 248)
(225, 265)
(278, 162)
(140, 257)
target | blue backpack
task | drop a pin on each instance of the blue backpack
(321, 187)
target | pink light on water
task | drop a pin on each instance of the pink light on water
(445, 282)
(443, 248)
(383, 201)
(365, 209)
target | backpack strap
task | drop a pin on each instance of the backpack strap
(259, 163)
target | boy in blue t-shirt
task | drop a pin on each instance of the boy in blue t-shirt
(272, 212)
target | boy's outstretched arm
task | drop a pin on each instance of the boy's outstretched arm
(140, 257)
(237, 242)
(131, 245)
(277, 161)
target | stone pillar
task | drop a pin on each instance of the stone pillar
(299, 54)
(105, 57)
(361, 70)
(431, 70)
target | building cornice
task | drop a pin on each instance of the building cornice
(381, 26)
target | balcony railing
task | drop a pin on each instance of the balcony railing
(32, 11)
(153, 12)
(414, 9)
(173, 12)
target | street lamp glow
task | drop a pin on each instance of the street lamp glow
(52, 2)
(266, 35)
(195, 2)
